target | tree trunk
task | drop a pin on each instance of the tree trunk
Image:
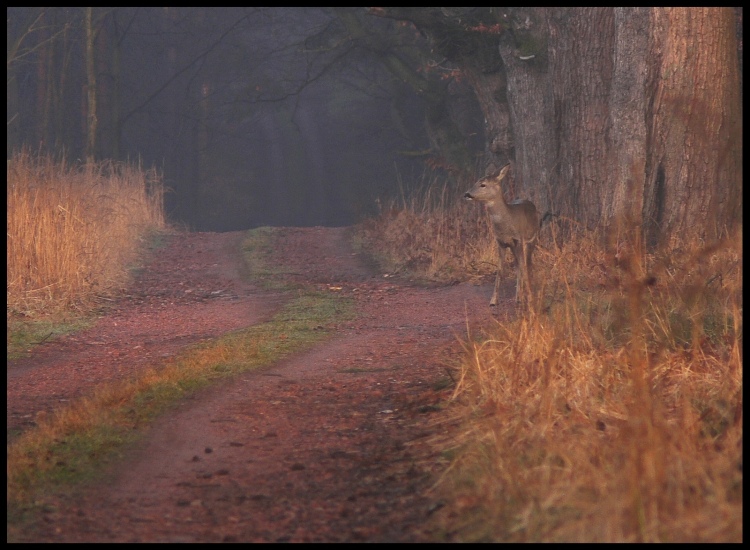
(42, 86)
(63, 131)
(694, 167)
(530, 106)
(624, 192)
(91, 121)
(116, 105)
(581, 77)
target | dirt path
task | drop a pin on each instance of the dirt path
(191, 291)
(329, 445)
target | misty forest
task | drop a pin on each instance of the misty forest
(308, 116)
(335, 158)
(256, 116)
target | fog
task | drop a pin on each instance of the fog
(255, 116)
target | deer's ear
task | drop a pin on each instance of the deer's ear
(503, 171)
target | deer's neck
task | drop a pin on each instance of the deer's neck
(498, 207)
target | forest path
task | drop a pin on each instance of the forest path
(330, 444)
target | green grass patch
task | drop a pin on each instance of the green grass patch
(257, 249)
(24, 335)
(360, 370)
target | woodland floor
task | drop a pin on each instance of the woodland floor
(331, 444)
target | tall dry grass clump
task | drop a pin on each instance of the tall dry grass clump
(433, 234)
(73, 231)
(614, 413)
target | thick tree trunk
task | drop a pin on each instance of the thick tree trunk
(694, 174)
(581, 67)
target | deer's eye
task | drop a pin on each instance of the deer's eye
(482, 185)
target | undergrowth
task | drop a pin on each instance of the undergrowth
(74, 231)
(612, 409)
(432, 235)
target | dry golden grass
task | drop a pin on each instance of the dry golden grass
(610, 412)
(73, 231)
(435, 234)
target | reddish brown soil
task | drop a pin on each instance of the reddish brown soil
(329, 445)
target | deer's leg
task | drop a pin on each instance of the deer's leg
(496, 291)
(529, 249)
(523, 283)
(493, 300)
(519, 284)
(520, 269)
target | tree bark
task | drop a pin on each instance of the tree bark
(694, 168)
(624, 192)
(581, 73)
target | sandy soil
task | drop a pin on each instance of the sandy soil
(329, 445)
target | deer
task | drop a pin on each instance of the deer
(515, 225)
